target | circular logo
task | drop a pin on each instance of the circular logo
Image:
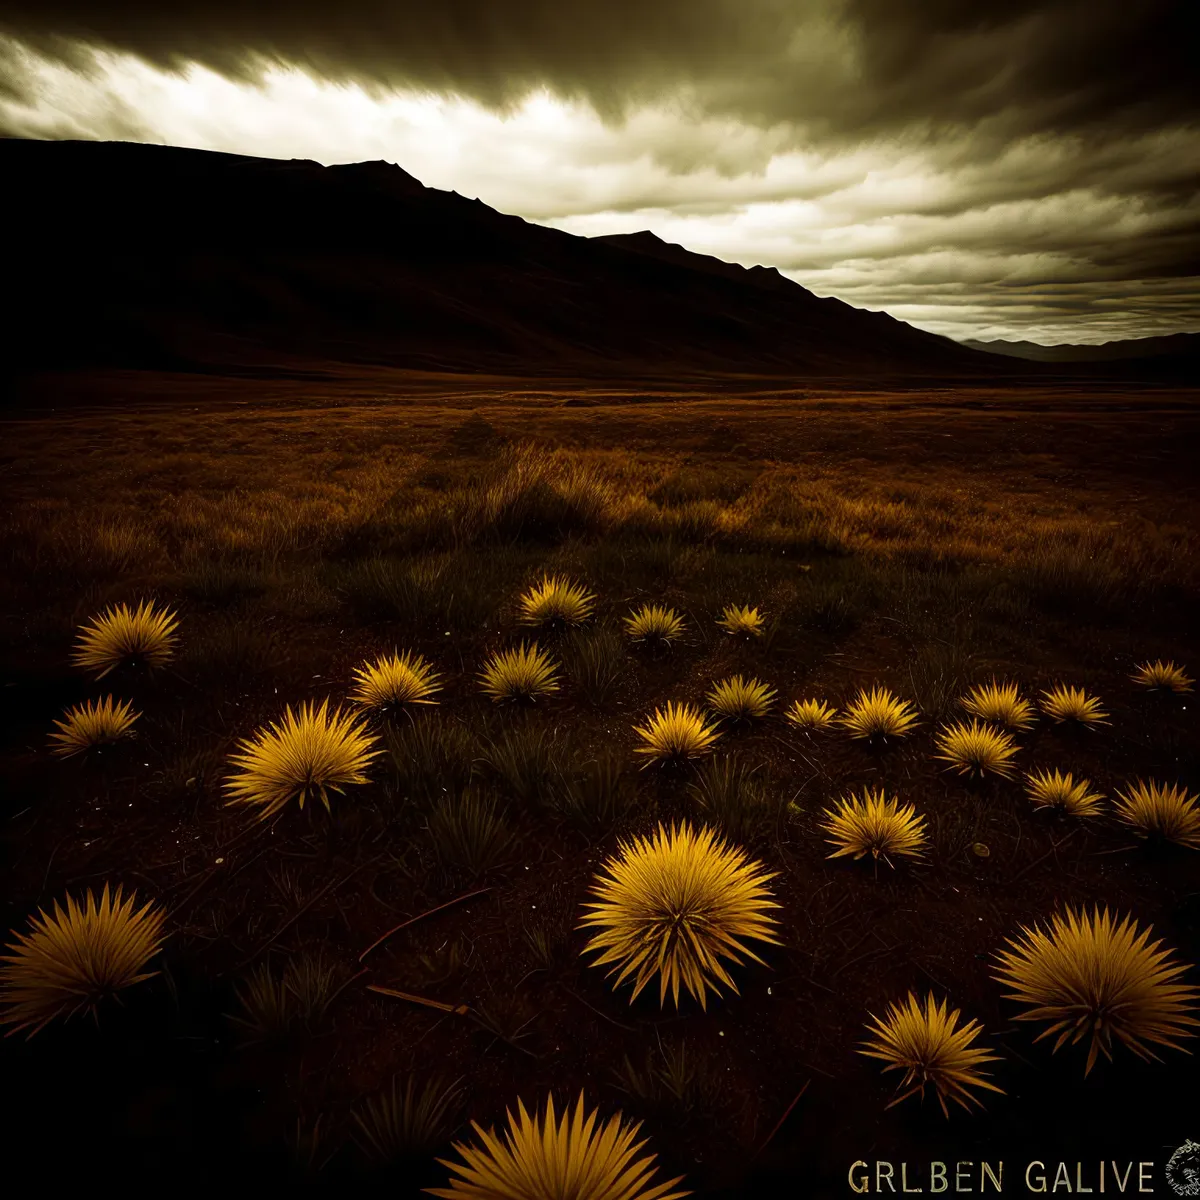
(1183, 1169)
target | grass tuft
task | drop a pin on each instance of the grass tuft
(675, 734)
(556, 602)
(405, 1124)
(811, 715)
(1000, 703)
(96, 723)
(872, 824)
(879, 714)
(656, 623)
(1163, 676)
(524, 673)
(1157, 811)
(121, 635)
(742, 621)
(1062, 703)
(739, 699)
(976, 749)
(394, 681)
(1064, 793)
(469, 833)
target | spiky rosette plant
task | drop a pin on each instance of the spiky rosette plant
(875, 825)
(742, 620)
(675, 734)
(811, 714)
(1063, 792)
(878, 714)
(124, 635)
(1157, 811)
(1000, 703)
(1068, 704)
(928, 1044)
(542, 1157)
(677, 906)
(976, 749)
(739, 699)
(556, 601)
(524, 673)
(395, 680)
(654, 623)
(1162, 676)
(74, 958)
(96, 723)
(1089, 976)
(310, 752)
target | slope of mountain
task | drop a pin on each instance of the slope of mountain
(1149, 347)
(128, 254)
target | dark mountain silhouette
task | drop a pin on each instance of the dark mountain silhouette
(130, 255)
(1111, 351)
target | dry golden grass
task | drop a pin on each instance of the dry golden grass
(1155, 810)
(878, 713)
(395, 680)
(976, 749)
(1063, 703)
(811, 714)
(932, 1049)
(1093, 978)
(556, 601)
(543, 1157)
(676, 906)
(740, 699)
(74, 958)
(742, 621)
(675, 734)
(1163, 676)
(94, 723)
(654, 623)
(313, 751)
(524, 673)
(1063, 792)
(124, 635)
(872, 824)
(1001, 703)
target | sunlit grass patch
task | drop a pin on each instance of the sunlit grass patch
(556, 601)
(928, 1044)
(579, 1156)
(976, 749)
(654, 623)
(1063, 703)
(812, 714)
(740, 700)
(1063, 792)
(524, 673)
(1163, 676)
(311, 751)
(1155, 810)
(672, 906)
(878, 714)
(124, 635)
(74, 959)
(1091, 977)
(94, 723)
(1001, 703)
(675, 734)
(742, 620)
(876, 825)
(394, 681)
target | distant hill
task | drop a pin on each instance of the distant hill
(1149, 347)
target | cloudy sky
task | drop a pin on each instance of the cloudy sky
(980, 168)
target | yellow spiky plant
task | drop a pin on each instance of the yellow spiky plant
(542, 1157)
(932, 1049)
(976, 749)
(1062, 791)
(311, 752)
(654, 623)
(1162, 676)
(673, 906)
(811, 714)
(740, 699)
(1000, 703)
(1064, 703)
(124, 635)
(875, 825)
(523, 673)
(1090, 976)
(878, 713)
(96, 723)
(395, 680)
(675, 734)
(1155, 810)
(75, 957)
(742, 620)
(555, 600)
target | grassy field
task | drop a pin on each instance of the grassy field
(925, 542)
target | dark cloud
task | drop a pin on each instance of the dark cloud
(849, 68)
